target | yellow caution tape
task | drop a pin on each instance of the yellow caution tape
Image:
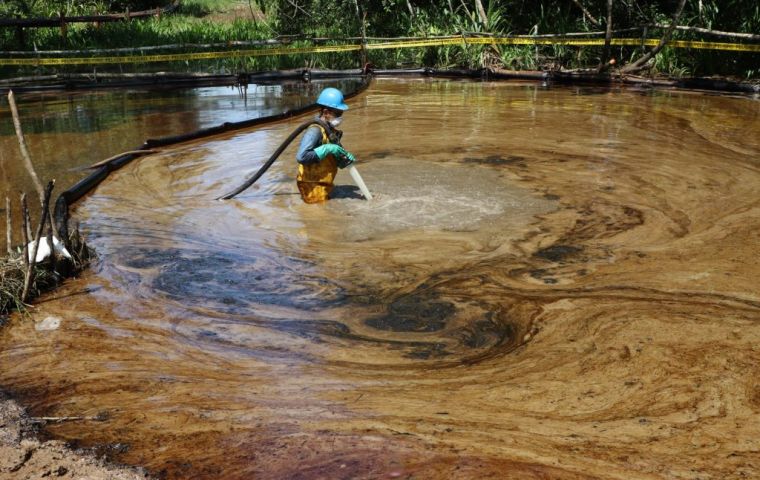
(635, 42)
(435, 42)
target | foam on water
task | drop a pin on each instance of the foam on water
(412, 194)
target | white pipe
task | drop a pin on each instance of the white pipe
(359, 182)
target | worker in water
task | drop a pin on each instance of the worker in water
(321, 153)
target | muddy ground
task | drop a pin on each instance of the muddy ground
(23, 455)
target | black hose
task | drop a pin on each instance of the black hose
(274, 156)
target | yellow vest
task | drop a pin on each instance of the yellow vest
(315, 180)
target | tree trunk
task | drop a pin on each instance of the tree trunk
(638, 64)
(607, 39)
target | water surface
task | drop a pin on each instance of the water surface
(68, 131)
(550, 283)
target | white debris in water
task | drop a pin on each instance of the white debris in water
(43, 250)
(48, 323)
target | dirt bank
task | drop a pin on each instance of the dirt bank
(24, 456)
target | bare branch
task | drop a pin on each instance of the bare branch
(638, 64)
(587, 14)
(22, 145)
(716, 33)
(28, 279)
(8, 226)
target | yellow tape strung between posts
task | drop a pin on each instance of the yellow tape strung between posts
(436, 42)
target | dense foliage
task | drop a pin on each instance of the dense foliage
(396, 18)
(388, 18)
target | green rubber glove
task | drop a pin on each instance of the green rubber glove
(330, 149)
(345, 160)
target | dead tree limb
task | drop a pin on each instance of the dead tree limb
(28, 223)
(64, 419)
(588, 15)
(29, 278)
(112, 17)
(130, 152)
(22, 145)
(25, 231)
(482, 13)
(410, 8)
(25, 154)
(49, 236)
(641, 62)
(715, 33)
(8, 226)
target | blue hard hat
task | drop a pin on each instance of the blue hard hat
(332, 98)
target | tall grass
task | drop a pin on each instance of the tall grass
(218, 21)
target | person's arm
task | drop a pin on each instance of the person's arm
(310, 140)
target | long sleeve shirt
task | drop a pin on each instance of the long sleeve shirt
(310, 140)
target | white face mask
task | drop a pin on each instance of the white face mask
(335, 122)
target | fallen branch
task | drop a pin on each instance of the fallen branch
(57, 21)
(130, 152)
(97, 418)
(707, 31)
(641, 62)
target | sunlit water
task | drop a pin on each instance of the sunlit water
(549, 283)
(67, 132)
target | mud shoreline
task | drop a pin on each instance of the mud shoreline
(25, 454)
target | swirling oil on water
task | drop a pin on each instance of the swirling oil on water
(550, 283)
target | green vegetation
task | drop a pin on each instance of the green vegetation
(209, 21)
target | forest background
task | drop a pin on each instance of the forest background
(198, 24)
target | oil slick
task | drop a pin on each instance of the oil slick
(530, 304)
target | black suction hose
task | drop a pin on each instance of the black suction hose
(274, 156)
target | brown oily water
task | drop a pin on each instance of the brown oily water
(550, 283)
